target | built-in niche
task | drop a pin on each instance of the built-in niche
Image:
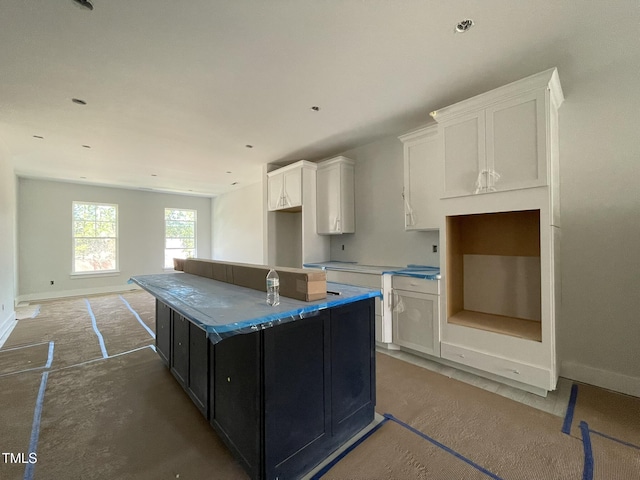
(493, 273)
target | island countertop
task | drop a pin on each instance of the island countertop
(224, 310)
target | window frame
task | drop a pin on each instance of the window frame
(106, 272)
(195, 234)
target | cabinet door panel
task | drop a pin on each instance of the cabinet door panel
(180, 349)
(328, 200)
(198, 367)
(293, 188)
(275, 186)
(464, 154)
(163, 331)
(297, 380)
(353, 364)
(415, 321)
(516, 142)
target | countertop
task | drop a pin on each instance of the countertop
(223, 309)
(418, 271)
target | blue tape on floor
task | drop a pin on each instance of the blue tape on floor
(609, 437)
(568, 417)
(21, 347)
(95, 329)
(144, 325)
(50, 356)
(443, 447)
(587, 473)
(35, 428)
(333, 462)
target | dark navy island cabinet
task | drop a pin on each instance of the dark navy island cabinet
(283, 398)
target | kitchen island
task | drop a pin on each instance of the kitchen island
(283, 386)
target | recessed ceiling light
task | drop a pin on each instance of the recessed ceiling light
(84, 178)
(86, 146)
(249, 146)
(78, 101)
(315, 108)
(154, 175)
(84, 3)
(234, 183)
(464, 25)
(38, 136)
(228, 172)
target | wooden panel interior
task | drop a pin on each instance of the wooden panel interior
(512, 307)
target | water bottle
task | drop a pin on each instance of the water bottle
(273, 288)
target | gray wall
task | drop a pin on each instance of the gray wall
(7, 241)
(237, 219)
(380, 238)
(45, 243)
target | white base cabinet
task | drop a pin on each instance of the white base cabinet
(416, 314)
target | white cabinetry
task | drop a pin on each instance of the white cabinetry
(285, 187)
(292, 239)
(499, 248)
(421, 179)
(499, 140)
(416, 314)
(335, 196)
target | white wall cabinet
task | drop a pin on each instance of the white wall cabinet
(499, 141)
(499, 248)
(292, 239)
(416, 314)
(335, 196)
(285, 187)
(421, 191)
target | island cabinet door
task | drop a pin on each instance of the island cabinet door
(236, 398)
(353, 385)
(180, 349)
(163, 331)
(198, 368)
(297, 379)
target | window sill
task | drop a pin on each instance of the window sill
(79, 275)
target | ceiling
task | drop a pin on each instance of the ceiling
(176, 91)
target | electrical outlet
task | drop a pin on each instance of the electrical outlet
(342, 247)
(434, 248)
(52, 282)
(3, 307)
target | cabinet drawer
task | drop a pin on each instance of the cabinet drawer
(367, 280)
(414, 284)
(520, 372)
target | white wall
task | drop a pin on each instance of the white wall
(599, 330)
(45, 243)
(237, 220)
(7, 243)
(380, 238)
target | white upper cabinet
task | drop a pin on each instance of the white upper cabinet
(500, 140)
(285, 186)
(421, 180)
(335, 196)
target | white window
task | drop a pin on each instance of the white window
(95, 237)
(179, 235)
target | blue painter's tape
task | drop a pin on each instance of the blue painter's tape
(50, 356)
(144, 325)
(95, 329)
(35, 428)
(609, 437)
(568, 417)
(443, 447)
(587, 473)
(351, 447)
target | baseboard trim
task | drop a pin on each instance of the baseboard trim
(617, 382)
(6, 326)
(81, 292)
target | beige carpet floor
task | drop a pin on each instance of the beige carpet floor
(81, 379)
